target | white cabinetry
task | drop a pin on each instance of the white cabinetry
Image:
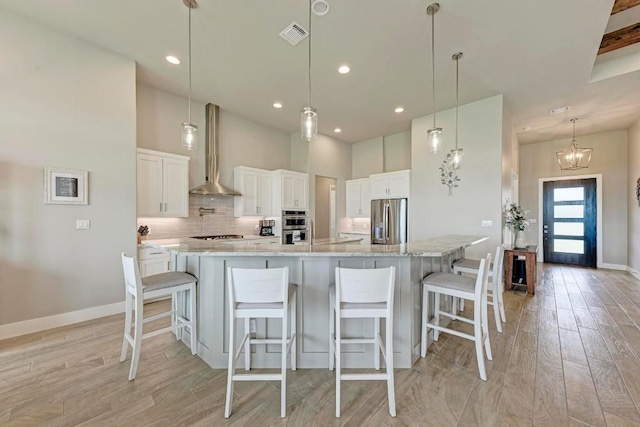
(162, 184)
(290, 190)
(255, 185)
(358, 198)
(366, 239)
(391, 185)
(153, 261)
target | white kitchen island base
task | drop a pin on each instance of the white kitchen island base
(313, 270)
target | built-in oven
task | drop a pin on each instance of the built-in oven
(295, 227)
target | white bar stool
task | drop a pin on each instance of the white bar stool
(459, 287)
(157, 285)
(363, 293)
(496, 272)
(260, 293)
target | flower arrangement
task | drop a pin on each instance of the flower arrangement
(515, 217)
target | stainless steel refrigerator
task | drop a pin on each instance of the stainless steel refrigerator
(389, 221)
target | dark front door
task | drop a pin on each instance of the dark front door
(569, 222)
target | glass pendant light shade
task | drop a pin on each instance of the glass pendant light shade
(435, 140)
(189, 136)
(309, 123)
(456, 157)
(574, 157)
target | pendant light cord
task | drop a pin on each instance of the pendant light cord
(433, 65)
(457, 84)
(190, 64)
(309, 65)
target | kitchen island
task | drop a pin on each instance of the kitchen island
(312, 268)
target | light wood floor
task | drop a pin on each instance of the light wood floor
(568, 356)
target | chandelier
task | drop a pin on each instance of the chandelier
(574, 157)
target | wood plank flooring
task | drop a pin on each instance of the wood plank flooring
(567, 357)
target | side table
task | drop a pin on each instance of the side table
(531, 258)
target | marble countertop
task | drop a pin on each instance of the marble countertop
(433, 247)
(337, 240)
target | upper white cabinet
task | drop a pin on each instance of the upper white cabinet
(358, 198)
(390, 185)
(162, 184)
(256, 188)
(290, 190)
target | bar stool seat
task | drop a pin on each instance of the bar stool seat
(363, 294)
(260, 293)
(137, 290)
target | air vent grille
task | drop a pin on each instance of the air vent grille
(294, 33)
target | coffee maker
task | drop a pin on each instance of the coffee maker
(266, 227)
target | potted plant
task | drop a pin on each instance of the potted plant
(515, 217)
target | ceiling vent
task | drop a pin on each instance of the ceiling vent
(294, 33)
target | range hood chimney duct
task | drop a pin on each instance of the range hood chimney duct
(212, 186)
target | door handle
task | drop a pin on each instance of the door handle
(165, 207)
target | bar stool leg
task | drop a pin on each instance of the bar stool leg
(137, 340)
(376, 343)
(232, 367)
(332, 332)
(436, 313)
(193, 314)
(485, 327)
(496, 308)
(391, 390)
(283, 384)
(477, 330)
(247, 344)
(425, 319)
(128, 313)
(294, 336)
(338, 363)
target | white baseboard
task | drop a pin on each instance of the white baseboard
(43, 323)
(613, 266)
(634, 273)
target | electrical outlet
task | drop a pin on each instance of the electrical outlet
(533, 220)
(256, 227)
(487, 223)
(252, 326)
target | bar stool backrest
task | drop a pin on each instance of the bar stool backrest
(356, 285)
(482, 279)
(498, 262)
(251, 285)
(132, 281)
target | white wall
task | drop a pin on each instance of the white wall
(381, 154)
(397, 151)
(633, 231)
(242, 141)
(509, 163)
(609, 158)
(64, 103)
(479, 195)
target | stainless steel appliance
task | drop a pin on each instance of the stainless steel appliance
(388, 221)
(266, 227)
(295, 227)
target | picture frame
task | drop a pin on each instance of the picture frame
(66, 186)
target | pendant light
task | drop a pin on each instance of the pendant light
(434, 134)
(309, 115)
(456, 153)
(574, 157)
(189, 130)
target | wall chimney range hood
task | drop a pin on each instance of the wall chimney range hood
(212, 186)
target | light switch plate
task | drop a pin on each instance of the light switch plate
(83, 224)
(487, 223)
(533, 220)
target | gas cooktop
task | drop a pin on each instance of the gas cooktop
(219, 237)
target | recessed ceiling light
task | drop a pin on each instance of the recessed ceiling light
(172, 60)
(277, 105)
(399, 109)
(337, 130)
(560, 110)
(344, 69)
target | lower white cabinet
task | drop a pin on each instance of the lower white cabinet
(153, 261)
(366, 238)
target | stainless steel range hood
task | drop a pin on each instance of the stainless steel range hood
(212, 186)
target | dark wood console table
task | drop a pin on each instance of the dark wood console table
(531, 258)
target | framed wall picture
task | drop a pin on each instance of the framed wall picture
(66, 186)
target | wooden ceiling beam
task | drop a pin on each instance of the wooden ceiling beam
(621, 5)
(620, 38)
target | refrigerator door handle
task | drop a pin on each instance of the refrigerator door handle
(386, 222)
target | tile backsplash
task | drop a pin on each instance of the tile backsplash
(220, 222)
(355, 225)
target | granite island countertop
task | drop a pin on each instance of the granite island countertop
(432, 247)
(337, 240)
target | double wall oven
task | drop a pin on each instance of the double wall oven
(295, 227)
